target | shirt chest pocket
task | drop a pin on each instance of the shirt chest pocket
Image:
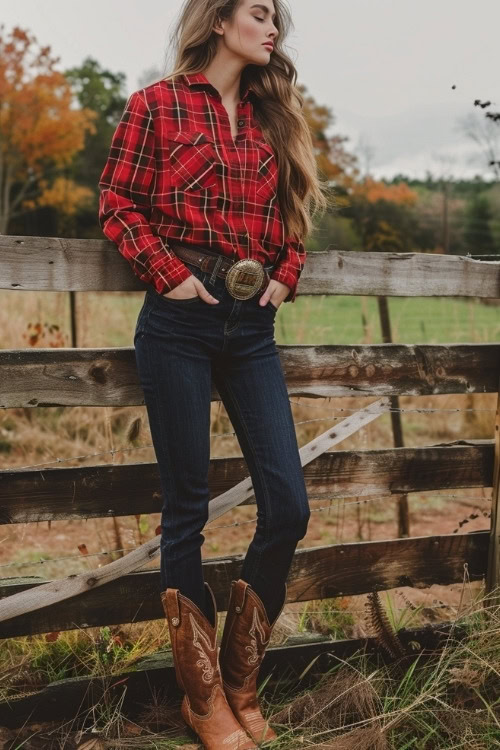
(267, 171)
(192, 160)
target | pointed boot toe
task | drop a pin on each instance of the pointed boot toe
(246, 634)
(196, 660)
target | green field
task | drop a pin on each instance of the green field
(108, 319)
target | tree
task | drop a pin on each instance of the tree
(39, 131)
(104, 93)
(381, 215)
(334, 162)
(366, 153)
(66, 198)
(485, 132)
(478, 233)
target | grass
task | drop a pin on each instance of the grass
(33, 662)
(311, 319)
(443, 700)
(438, 699)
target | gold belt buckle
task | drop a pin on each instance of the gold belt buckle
(244, 278)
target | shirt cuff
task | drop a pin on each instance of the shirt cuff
(287, 275)
(292, 258)
(169, 275)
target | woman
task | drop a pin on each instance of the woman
(192, 196)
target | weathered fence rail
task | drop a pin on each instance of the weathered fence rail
(57, 264)
(155, 675)
(107, 376)
(126, 489)
(316, 573)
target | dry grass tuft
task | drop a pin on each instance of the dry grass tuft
(369, 738)
(161, 714)
(344, 697)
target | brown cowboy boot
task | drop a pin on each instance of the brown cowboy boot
(245, 637)
(196, 660)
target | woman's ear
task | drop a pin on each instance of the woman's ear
(218, 28)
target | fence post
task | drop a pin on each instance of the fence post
(397, 427)
(72, 313)
(493, 572)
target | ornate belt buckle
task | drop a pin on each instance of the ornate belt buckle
(244, 278)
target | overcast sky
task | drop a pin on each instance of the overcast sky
(384, 67)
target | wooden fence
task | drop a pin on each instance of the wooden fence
(120, 592)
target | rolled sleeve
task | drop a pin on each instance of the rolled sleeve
(290, 265)
(125, 199)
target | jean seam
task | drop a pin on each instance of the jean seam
(142, 328)
(164, 441)
(250, 443)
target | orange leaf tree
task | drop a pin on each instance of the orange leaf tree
(382, 215)
(39, 131)
(335, 163)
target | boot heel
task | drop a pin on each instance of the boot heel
(195, 653)
(247, 632)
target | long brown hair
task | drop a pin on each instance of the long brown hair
(278, 106)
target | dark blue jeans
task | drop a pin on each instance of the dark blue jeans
(180, 347)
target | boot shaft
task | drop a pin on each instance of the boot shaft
(247, 632)
(196, 659)
(194, 643)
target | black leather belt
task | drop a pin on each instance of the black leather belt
(244, 277)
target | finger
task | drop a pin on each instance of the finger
(205, 295)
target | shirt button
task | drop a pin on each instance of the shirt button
(241, 122)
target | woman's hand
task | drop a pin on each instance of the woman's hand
(189, 288)
(275, 292)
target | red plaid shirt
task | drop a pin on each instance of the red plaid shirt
(174, 172)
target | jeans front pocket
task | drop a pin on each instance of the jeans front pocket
(198, 273)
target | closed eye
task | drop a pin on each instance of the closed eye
(259, 19)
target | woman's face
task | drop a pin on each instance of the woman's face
(251, 26)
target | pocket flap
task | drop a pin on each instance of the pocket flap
(189, 136)
(265, 145)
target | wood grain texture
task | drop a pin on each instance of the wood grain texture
(55, 263)
(315, 573)
(493, 574)
(108, 377)
(130, 489)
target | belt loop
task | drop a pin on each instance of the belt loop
(217, 265)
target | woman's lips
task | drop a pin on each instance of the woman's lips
(268, 45)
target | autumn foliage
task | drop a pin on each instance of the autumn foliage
(373, 190)
(63, 194)
(39, 129)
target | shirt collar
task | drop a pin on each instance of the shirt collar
(195, 79)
